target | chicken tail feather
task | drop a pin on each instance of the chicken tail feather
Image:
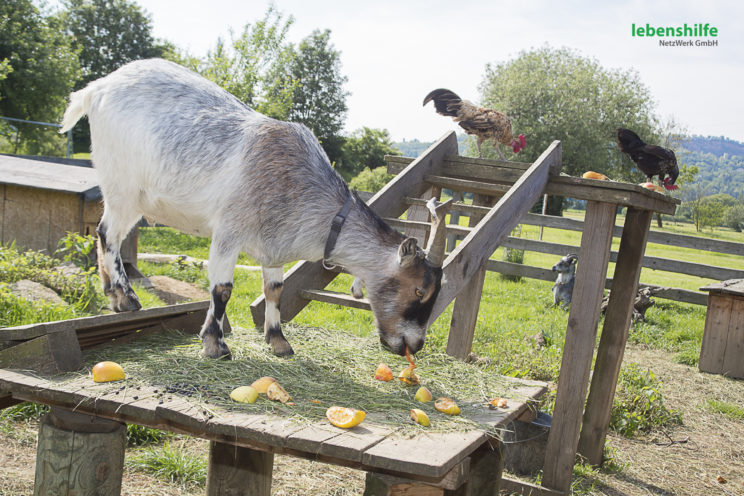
(446, 102)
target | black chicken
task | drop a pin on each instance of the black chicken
(651, 159)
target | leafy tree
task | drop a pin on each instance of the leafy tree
(557, 94)
(255, 67)
(733, 217)
(37, 69)
(107, 34)
(319, 100)
(371, 180)
(365, 148)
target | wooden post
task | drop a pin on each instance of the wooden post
(579, 346)
(486, 468)
(467, 303)
(238, 471)
(454, 219)
(421, 213)
(384, 485)
(79, 454)
(614, 334)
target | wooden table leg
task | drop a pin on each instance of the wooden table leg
(79, 454)
(238, 471)
(614, 335)
(579, 345)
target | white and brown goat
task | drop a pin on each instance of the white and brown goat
(176, 148)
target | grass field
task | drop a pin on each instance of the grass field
(512, 315)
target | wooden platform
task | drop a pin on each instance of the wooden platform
(371, 447)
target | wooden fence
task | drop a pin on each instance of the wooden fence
(649, 262)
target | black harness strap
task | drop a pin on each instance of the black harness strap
(336, 225)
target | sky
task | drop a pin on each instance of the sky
(394, 52)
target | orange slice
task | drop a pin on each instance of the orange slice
(594, 175)
(345, 418)
(107, 372)
(448, 406)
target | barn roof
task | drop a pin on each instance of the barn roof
(40, 174)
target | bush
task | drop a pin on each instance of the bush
(173, 464)
(77, 249)
(639, 403)
(371, 180)
(733, 217)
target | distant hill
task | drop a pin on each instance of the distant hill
(721, 163)
(720, 160)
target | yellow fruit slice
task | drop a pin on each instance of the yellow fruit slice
(498, 403)
(262, 384)
(383, 373)
(423, 395)
(244, 394)
(594, 175)
(345, 417)
(408, 376)
(652, 187)
(420, 417)
(276, 392)
(107, 372)
(448, 406)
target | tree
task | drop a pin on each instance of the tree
(256, 66)
(319, 100)
(39, 67)
(557, 94)
(733, 217)
(365, 148)
(371, 180)
(108, 34)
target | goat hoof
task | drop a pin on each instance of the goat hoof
(215, 348)
(281, 348)
(125, 302)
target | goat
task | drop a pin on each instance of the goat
(176, 148)
(564, 283)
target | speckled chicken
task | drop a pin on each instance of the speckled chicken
(483, 123)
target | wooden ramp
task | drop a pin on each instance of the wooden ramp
(504, 191)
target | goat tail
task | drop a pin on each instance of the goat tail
(78, 107)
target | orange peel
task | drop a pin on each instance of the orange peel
(343, 417)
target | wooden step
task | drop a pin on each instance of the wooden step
(402, 223)
(456, 184)
(342, 299)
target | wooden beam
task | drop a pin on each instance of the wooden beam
(467, 303)
(579, 345)
(478, 246)
(335, 298)
(51, 353)
(388, 202)
(614, 336)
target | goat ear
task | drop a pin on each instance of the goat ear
(407, 252)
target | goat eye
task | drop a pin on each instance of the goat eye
(419, 293)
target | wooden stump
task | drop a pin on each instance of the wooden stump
(79, 455)
(238, 471)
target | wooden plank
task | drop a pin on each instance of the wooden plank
(52, 353)
(388, 202)
(350, 444)
(43, 175)
(467, 303)
(336, 298)
(478, 246)
(614, 336)
(423, 454)
(733, 359)
(715, 333)
(625, 194)
(238, 471)
(309, 439)
(145, 317)
(7, 400)
(579, 345)
(467, 185)
(655, 263)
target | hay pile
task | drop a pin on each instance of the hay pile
(328, 368)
